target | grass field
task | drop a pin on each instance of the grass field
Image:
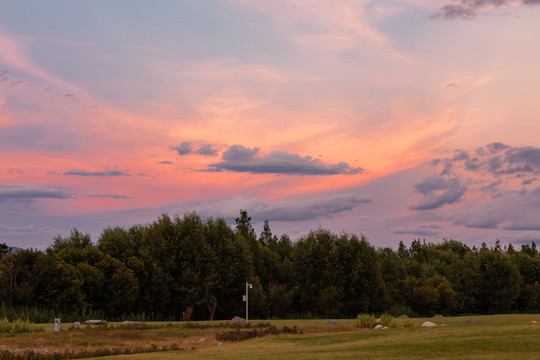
(499, 337)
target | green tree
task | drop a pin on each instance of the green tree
(266, 238)
(119, 243)
(76, 239)
(107, 285)
(316, 269)
(392, 272)
(498, 282)
(4, 249)
(243, 226)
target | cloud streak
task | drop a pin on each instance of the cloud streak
(512, 210)
(31, 192)
(108, 196)
(423, 231)
(238, 158)
(76, 172)
(287, 210)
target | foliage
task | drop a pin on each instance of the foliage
(260, 330)
(17, 326)
(193, 268)
(4, 249)
(367, 321)
(393, 322)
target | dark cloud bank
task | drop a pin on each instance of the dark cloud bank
(496, 159)
(508, 209)
(241, 159)
(438, 191)
(30, 192)
(238, 158)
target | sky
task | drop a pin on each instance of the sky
(395, 119)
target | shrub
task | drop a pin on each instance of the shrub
(257, 330)
(293, 330)
(17, 326)
(366, 321)
(239, 335)
(392, 322)
(406, 323)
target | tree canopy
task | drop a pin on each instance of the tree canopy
(193, 268)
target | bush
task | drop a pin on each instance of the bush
(388, 320)
(17, 326)
(392, 322)
(406, 322)
(366, 321)
(241, 335)
(258, 330)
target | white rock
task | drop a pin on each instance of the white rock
(378, 327)
(429, 324)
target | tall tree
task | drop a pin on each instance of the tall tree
(498, 282)
(4, 249)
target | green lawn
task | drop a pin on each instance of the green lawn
(500, 337)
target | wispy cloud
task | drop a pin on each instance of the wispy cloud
(109, 196)
(287, 210)
(28, 231)
(238, 158)
(337, 25)
(14, 54)
(511, 210)
(77, 172)
(422, 231)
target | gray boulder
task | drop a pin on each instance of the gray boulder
(237, 320)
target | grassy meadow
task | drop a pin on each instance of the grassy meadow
(498, 337)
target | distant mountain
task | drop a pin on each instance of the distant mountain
(6, 249)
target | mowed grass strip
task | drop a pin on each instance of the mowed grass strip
(500, 337)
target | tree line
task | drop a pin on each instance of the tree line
(194, 268)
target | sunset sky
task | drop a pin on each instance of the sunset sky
(392, 119)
